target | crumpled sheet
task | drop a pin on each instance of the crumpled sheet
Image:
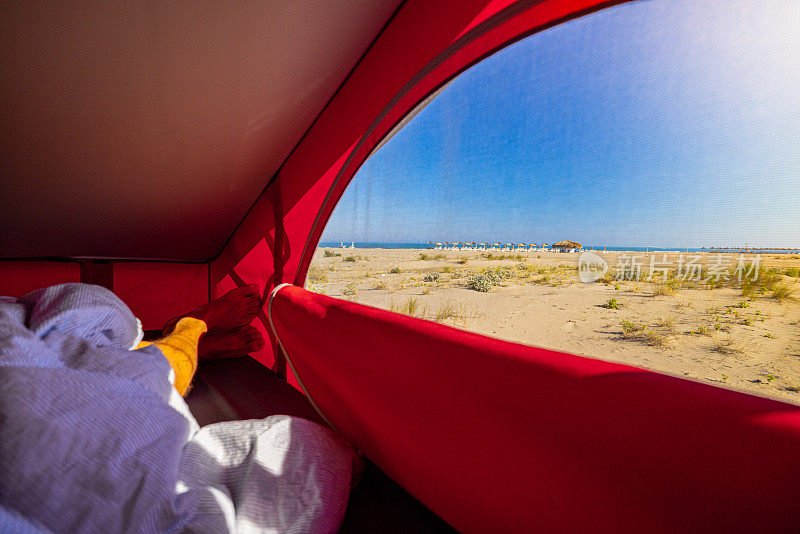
(94, 438)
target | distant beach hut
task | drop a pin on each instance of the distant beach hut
(437, 246)
(567, 246)
(481, 246)
(521, 247)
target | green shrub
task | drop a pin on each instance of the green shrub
(432, 277)
(629, 328)
(479, 282)
(331, 254)
(612, 304)
(350, 259)
(395, 270)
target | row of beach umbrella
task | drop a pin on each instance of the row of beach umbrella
(503, 247)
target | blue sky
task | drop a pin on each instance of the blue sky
(672, 123)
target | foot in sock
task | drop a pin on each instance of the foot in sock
(228, 313)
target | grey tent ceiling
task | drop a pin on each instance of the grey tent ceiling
(148, 129)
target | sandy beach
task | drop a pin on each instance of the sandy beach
(745, 337)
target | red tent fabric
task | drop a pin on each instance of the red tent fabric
(500, 437)
(20, 277)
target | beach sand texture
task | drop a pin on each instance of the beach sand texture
(711, 334)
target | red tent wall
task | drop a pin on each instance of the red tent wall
(20, 277)
(500, 437)
(423, 46)
(154, 291)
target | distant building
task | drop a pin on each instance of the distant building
(567, 246)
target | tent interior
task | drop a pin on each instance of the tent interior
(172, 152)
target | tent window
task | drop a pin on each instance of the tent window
(622, 186)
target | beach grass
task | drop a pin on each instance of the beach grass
(783, 293)
(643, 334)
(665, 289)
(350, 289)
(728, 347)
(667, 322)
(411, 306)
(317, 275)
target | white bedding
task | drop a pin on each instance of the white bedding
(94, 438)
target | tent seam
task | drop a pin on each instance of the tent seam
(288, 359)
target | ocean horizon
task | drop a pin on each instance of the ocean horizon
(601, 248)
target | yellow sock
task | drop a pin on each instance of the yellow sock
(180, 349)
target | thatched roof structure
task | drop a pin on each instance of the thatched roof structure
(567, 244)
